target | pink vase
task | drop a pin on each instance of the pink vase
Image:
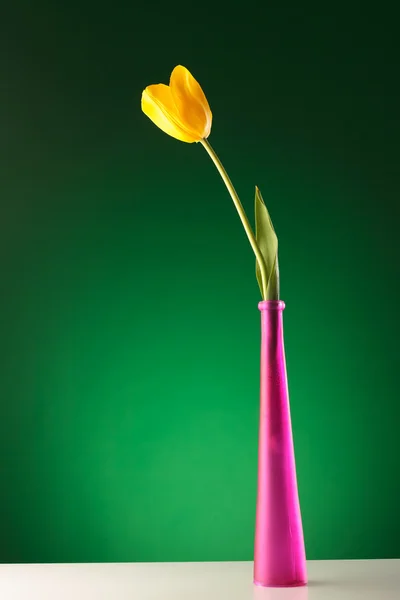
(279, 554)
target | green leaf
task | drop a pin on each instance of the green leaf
(268, 244)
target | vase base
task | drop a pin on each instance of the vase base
(277, 585)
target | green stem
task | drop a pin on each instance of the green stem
(242, 214)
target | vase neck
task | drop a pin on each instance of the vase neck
(271, 305)
(271, 328)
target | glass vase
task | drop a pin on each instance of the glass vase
(279, 553)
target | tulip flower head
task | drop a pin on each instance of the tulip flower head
(180, 109)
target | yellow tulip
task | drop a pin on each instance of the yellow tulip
(180, 109)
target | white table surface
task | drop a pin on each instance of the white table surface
(328, 580)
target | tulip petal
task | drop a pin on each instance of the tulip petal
(191, 102)
(159, 106)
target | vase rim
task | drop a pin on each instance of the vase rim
(271, 305)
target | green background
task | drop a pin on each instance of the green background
(129, 347)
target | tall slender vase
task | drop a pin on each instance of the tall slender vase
(279, 554)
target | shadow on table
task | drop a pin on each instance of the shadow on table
(293, 593)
